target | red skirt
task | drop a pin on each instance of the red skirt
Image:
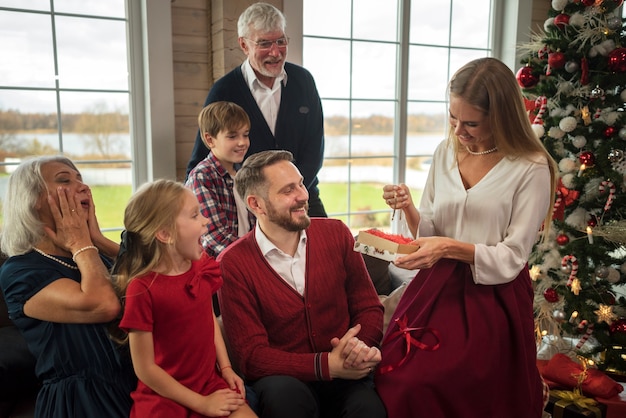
(459, 349)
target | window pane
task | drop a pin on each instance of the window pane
(326, 18)
(112, 8)
(471, 23)
(426, 127)
(27, 58)
(372, 128)
(331, 80)
(430, 22)
(371, 21)
(27, 119)
(30, 4)
(96, 58)
(367, 180)
(428, 73)
(100, 129)
(374, 70)
(336, 128)
(460, 57)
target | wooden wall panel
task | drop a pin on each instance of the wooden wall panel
(540, 14)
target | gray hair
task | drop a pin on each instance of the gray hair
(261, 17)
(22, 227)
(250, 178)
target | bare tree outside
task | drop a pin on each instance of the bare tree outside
(100, 126)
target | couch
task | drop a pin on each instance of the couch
(18, 384)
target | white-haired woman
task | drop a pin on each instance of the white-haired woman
(57, 288)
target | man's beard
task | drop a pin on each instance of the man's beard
(286, 221)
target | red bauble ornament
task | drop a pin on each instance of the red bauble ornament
(556, 59)
(618, 326)
(617, 60)
(593, 221)
(588, 2)
(562, 239)
(561, 20)
(551, 295)
(587, 158)
(610, 131)
(526, 78)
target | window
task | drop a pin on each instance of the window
(382, 69)
(73, 78)
(64, 89)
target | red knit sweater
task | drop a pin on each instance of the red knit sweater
(272, 329)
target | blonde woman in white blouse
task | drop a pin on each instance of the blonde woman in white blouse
(489, 189)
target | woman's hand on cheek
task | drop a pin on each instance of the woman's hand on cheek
(70, 226)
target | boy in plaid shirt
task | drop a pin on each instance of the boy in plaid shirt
(225, 127)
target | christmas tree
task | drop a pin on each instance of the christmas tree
(574, 80)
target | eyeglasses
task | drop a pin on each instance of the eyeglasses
(280, 42)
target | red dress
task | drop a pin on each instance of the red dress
(178, 311)
(472, 350)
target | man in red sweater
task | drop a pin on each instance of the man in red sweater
(300, 312)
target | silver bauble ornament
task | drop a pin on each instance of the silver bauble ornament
(558, 315)
(614, 22)
(622, 134)
(613, 276)
(571, 67)
(602, 272)
(597, 92)
(616, 155)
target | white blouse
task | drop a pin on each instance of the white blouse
(501, 215)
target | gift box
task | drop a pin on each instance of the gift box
(381, 245)
(566, 404)
(567, 373)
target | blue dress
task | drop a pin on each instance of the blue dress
(82, 371)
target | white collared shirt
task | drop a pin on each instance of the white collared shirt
(268, 99)
(291, 269)
(243, 223)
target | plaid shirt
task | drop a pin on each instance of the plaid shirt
(213, 187)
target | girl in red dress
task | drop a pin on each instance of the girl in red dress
(166, 282)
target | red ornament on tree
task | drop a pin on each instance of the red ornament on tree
(593, 221)
(562, 239)
(610, 131)
(551, 295)
(561, 20)
(556, 59)
(617, 60)
(618, 326)
(526, 78)
(588, 2)
(587, 158)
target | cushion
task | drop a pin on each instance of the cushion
(17, 365)
(390, 303)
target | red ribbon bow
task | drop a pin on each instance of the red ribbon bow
(405, 331)
(208, 268)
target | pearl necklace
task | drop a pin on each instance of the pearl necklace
(61, 262)
(489, 151)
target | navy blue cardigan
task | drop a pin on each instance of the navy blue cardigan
(299, 125)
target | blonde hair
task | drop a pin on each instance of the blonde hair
(152, 208)
(490, 86)
(221, 116)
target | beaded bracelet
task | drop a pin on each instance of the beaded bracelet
(89, 247)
